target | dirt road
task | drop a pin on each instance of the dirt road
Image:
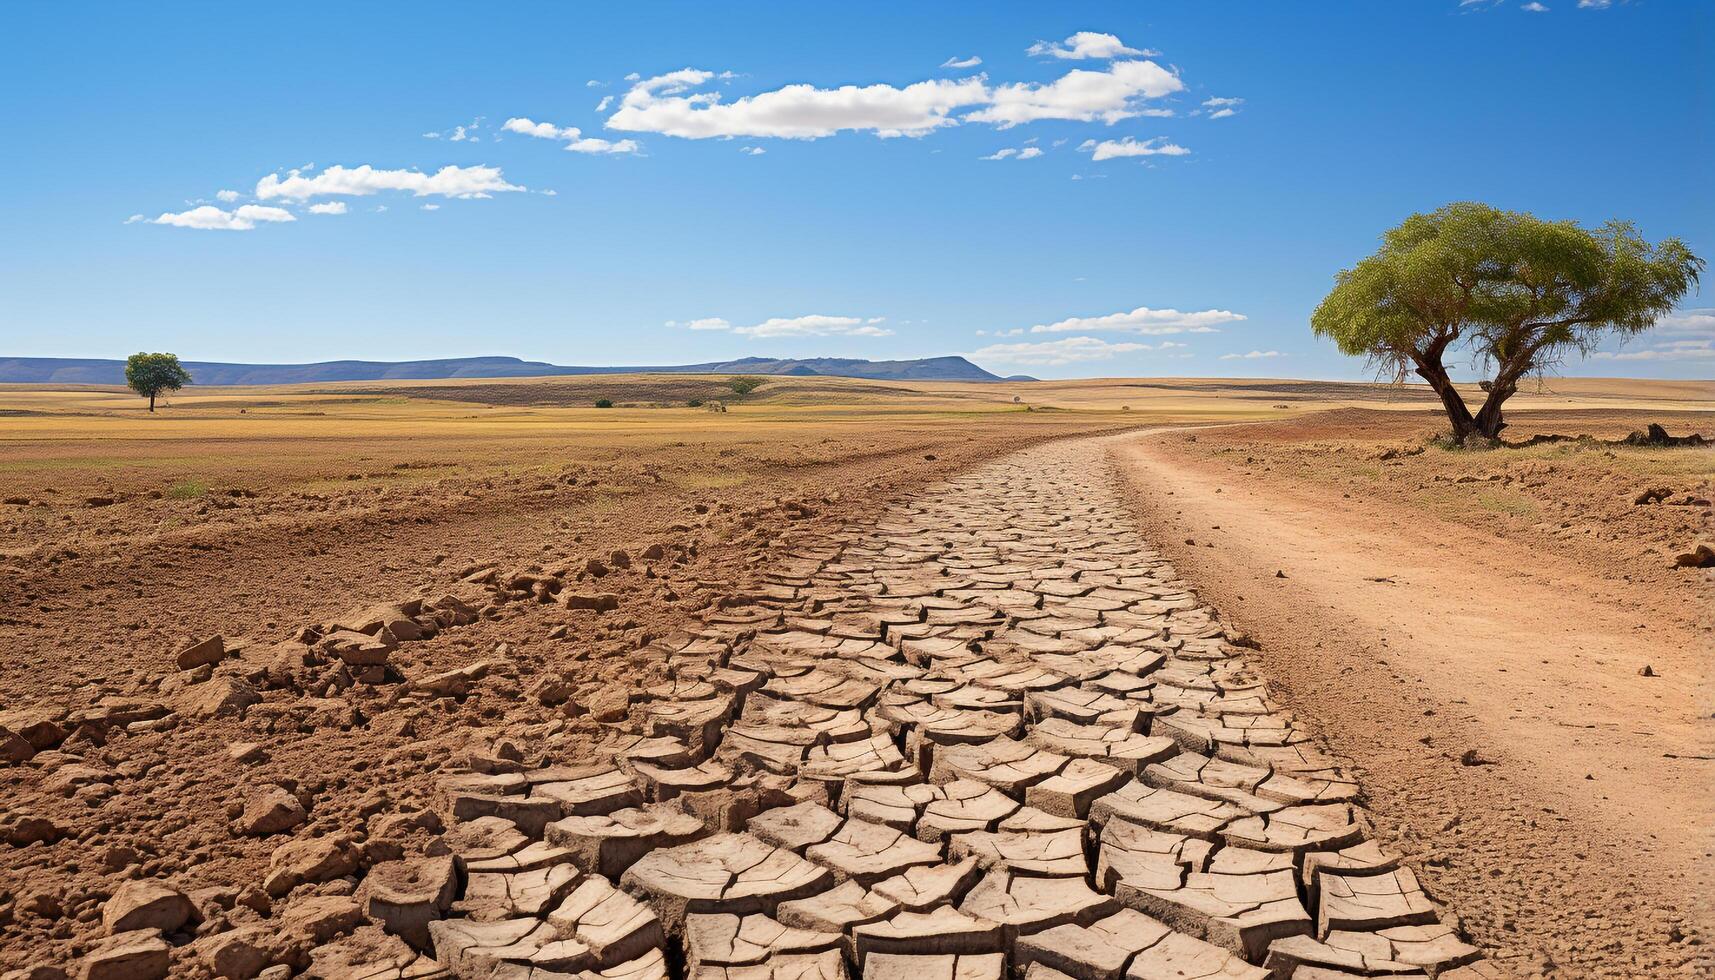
(1491, 697)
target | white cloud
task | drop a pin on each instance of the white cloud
(957, 62)
(1223, 107)
(430, 207)
(815, 325)
(666, 104)
(328, 207)
(1082, 95)
(592, 83)
(1677, 353)
(1011, 153)
(1144, 320)
(1694, 321)
(1057, 353)
(1128, 147)
(1594, 4)
(228, 196)
(573, 137)
(754, 151)
(210, 218)
(606, 101)
(1683, 335)
(1253, 355)
(1534, 7)
(1086, 44)
(449, 181)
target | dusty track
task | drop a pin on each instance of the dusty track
(1412, 641)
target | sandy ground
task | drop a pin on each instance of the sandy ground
(1580, 844)
(255, 513)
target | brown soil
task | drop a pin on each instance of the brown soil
(1417, 619)
(1494, 608)
(96, 599)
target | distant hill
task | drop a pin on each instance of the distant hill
(98, 371)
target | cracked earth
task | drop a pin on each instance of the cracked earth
(992, 734)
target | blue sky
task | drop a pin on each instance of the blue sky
(1183, 181)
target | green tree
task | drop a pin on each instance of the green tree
(150, 374)
(1514, 292)
(742, 386)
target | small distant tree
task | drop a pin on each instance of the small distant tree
(742, 386)
(604, 403)
(150, 374)
(1516, 292)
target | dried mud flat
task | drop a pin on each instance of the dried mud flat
(987, 731)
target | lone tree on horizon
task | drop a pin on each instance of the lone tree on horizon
(1518, 293)
(150, 374)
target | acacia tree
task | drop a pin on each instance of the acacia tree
(150, 374)
(1515, 292)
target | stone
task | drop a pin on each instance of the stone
(596, 601)
(405, 896)
(319, 918)
(238, 954)
(209, 651)
(146, 904)
(314, 860)
(140, 955)
(270, 811)
(356, 649)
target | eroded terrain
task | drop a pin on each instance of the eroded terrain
(990, 730)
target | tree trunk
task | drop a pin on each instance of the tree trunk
(1505, 385)
(1488, 420)
(151, 402)
(1457, 414)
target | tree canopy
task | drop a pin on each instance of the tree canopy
(150, 374)
(1515, 292)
